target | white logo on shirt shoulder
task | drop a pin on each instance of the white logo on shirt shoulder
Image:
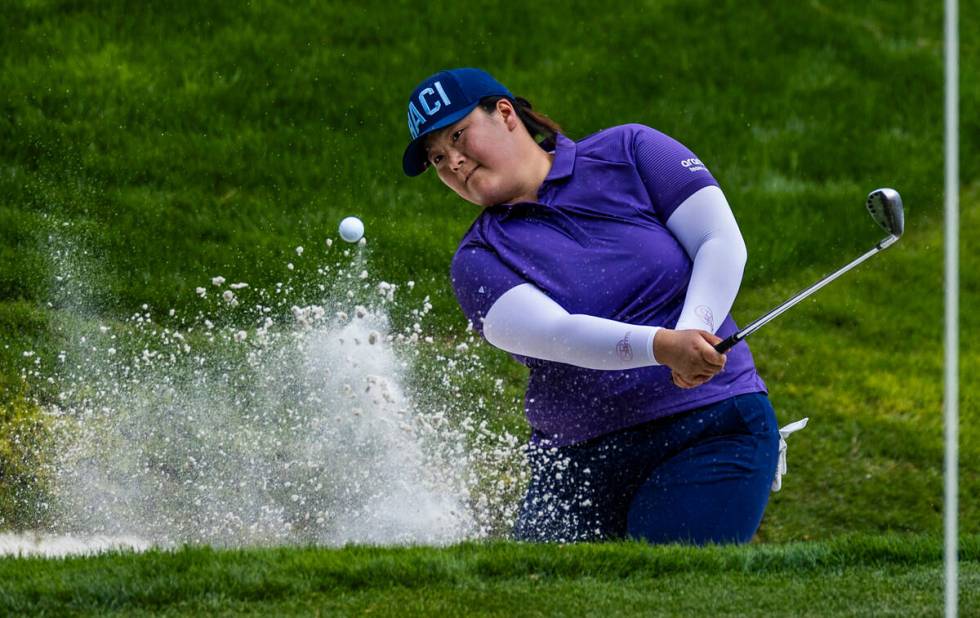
(481, 290)
(693, 165)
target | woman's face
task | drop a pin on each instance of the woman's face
(480, 157)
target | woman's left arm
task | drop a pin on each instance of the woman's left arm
(706, 228)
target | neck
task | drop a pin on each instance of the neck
(540, 165)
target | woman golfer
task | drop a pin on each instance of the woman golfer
(608, 266)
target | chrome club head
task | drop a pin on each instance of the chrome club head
(885, 206)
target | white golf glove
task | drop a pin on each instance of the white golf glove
(784, 432)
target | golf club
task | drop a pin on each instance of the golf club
(885, 206)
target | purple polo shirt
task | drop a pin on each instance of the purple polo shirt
(597, 244)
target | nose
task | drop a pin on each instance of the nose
(456, 159)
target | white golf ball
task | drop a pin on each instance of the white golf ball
(351, 229)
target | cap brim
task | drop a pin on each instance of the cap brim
(414, 159)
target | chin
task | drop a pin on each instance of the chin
(485, 202)
(488, 196)
(475, 198)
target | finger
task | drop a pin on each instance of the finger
(711, 338)
(684, 382)
(696, 374)
(706, 372)
(680, 382)
(698, 379)
(712, 358)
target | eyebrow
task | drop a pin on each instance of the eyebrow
(443, 131)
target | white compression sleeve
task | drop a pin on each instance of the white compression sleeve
(705, 226)
(525, 321)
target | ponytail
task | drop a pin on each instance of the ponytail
(543, 130)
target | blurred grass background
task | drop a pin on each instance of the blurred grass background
(164, 143)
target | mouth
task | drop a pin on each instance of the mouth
(467, 179)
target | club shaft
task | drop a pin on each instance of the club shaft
(778, 311)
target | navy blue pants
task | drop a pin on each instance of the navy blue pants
(697, 477)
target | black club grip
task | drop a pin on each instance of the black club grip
(727, 344)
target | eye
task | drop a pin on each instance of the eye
(436, 159)
(456, 135)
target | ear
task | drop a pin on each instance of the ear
(509, 115)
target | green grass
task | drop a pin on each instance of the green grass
(146, 147)
(193, 139)
(852, 576)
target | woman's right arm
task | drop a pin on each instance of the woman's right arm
(525, 321)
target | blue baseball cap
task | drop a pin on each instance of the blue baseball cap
(441, 100)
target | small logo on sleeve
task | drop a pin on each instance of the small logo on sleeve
(624, 349)
(707, 316)
(693, 165)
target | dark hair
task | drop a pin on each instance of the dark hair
(543, 130)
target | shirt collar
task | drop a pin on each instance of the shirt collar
(564, 161)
